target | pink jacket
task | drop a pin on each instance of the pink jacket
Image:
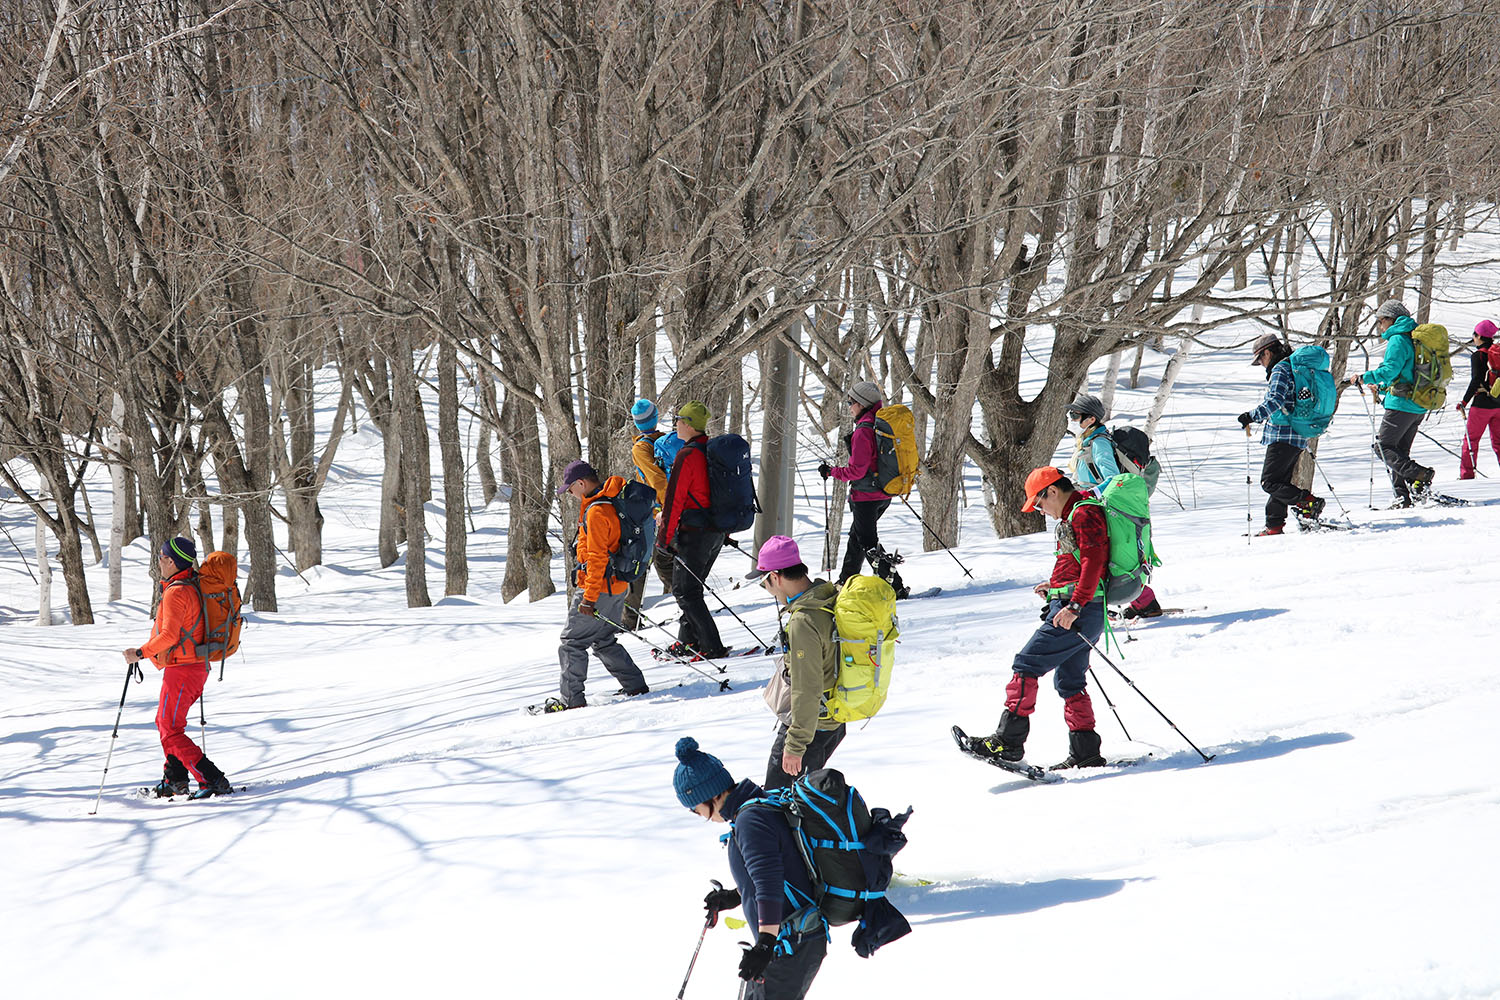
(861, 458)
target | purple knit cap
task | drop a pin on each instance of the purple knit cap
(1485, 329)
(777, 553)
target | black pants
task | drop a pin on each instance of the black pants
(863, 536)
(824, 743)
(1276, 479)
(789, 977)
(1398, 429)
(697, 551)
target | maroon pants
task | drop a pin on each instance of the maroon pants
(181, 687)
(1477, 423)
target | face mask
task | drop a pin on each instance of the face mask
(1075, 426)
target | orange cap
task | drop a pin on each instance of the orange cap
(1039, 480)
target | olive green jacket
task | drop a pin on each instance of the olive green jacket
(812, 659)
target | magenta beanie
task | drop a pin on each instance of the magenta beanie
(1485, 329)
(779, 552)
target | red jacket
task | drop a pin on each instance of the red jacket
(1082, 551)
(687, 487)
(179, 624)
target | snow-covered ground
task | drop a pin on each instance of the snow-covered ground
(408, 828)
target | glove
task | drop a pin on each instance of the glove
(1046, 611)
(587, 608)
(1459, 407)
(753, 963)
(824, 469)
(1244, 419)
(717, 900)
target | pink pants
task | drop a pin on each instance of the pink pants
(1480, 420)
(1147, 596)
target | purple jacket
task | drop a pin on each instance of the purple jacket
(861, 458)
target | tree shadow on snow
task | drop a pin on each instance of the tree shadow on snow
(1225, 753)
(1219, 622)
(942, 903)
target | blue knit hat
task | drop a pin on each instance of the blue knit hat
(644, 414)
(700, 776)
(180, 550)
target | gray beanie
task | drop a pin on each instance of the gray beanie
(865, 393)
(1087, 406)
(1391, 309)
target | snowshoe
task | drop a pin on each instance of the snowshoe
(166, 788)
(219, 786)
(1025, 770)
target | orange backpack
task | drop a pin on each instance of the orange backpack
(217, 581)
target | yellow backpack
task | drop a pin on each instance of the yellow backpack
(896, 458)
(865, 628)
(1431, 370)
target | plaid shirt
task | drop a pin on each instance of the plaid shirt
(1281, 397)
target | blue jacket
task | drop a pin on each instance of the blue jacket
(1093, 470)
(763, 857)
(1398, 365)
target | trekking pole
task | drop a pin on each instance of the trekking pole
(828, 530)
(1450, 450)
(702, 583)
(1110, 704)
(1375, 449)
(130, 669)
(723, 684)
(708, 922)
(1127, 680)
(1329, 483)
(939, 538)
(1249, 501)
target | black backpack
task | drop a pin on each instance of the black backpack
(847, 849)
(1132, 445)
(732, 503)
(635, 506)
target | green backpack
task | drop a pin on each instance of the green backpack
(1127, 513)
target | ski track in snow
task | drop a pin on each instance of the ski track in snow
(407, 826)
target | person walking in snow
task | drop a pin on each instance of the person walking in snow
(1284, 446)
(689, 534)
(1093, 465)
(1403, 418)
(767, 867)
(173, 647)
(1075, 611)
(600, 598)
(1481, 401)
(805, 736)
(867, 500)
(647, 470)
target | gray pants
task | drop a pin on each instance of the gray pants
(1398, 429)
(583, 633)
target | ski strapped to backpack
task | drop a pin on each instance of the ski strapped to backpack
(847, 850)
(635, 506)
(1432, 369)
(1127, 514)
(216, 581)
(1315, 392)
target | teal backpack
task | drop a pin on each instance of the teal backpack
(1317, 397)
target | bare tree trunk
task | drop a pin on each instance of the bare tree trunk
(408, 412)
(455, 500)
(119, 510)
(43, 576)
(778, 436)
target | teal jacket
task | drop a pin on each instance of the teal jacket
(1398, 365)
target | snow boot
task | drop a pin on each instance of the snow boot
(1311, 507)
(1421, 487)
(174, 779)
(1083, 750)
(1008, 741)
(633, 694)
(1152, 610)
(1271, 530)
(214, 782)
(557, 705)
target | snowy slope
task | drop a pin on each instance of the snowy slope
(407, 827)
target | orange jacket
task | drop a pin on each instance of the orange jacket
(178, 616)
(598, 538)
